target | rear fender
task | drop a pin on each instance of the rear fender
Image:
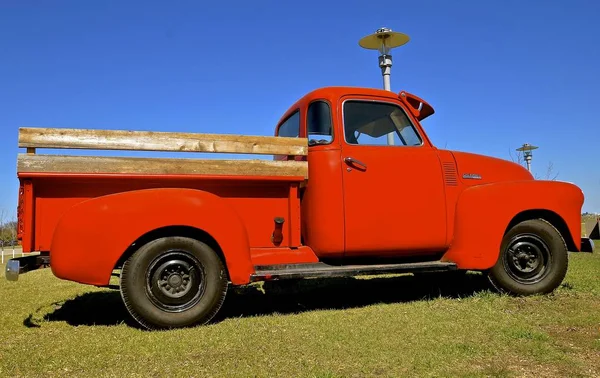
(91, 236)
(484, 213)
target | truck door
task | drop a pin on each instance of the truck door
(394, 196)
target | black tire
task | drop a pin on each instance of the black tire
(533, 259)
(173, 282)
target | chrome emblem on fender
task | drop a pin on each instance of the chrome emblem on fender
(471, 176)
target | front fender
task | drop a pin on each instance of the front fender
(91, 236)
(484, 212)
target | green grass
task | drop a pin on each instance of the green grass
(372, 327)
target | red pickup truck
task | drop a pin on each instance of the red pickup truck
(337, 197)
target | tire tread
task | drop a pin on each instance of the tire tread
(127, 299)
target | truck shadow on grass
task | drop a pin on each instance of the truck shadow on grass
(281, 297)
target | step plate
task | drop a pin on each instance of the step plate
(296, 271)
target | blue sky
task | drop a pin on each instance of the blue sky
(498, 73)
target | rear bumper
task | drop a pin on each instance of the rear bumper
(24, 264)
(587, 245)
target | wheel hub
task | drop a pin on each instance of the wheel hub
(527, 258)
(175, 281)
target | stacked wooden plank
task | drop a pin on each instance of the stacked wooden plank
(92, 139)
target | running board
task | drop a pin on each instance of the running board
(296, 271)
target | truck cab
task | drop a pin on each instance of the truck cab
(354, 187)
(378, 157)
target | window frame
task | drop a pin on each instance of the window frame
(380, 101)
(331, 120)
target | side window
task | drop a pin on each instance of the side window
(291, 126)
(318, 121)
(370, 123)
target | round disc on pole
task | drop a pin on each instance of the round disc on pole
(392, 39)
(527, 147)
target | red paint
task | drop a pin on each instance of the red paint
(483, 213)
(88, 254)
(410, 201)
(397, 204)
(294, 214)
(270, 256)
(258, 203)
(323, 203)
(21, 211)
(25, 215)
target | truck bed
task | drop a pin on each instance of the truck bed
(259, 190)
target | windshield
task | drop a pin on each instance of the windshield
(367, 122)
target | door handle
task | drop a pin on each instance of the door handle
(355, 162)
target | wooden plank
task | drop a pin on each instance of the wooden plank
(30, 137)
(159, 166)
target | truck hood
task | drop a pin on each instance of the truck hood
(474, 169)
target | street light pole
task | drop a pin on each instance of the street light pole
(384, 40)
(528, 155)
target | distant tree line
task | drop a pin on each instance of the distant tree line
(8, 229)
(8, 232)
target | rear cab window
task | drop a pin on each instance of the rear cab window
(291, 126)
(319, 123)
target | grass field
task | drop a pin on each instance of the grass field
(385, 327)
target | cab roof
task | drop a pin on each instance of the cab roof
(419, 107)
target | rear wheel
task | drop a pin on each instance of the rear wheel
(533, 259)
(173, 282)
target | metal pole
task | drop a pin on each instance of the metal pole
(385, 63)
(528, 160)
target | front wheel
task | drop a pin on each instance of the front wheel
(173, 282)
(533, 259)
